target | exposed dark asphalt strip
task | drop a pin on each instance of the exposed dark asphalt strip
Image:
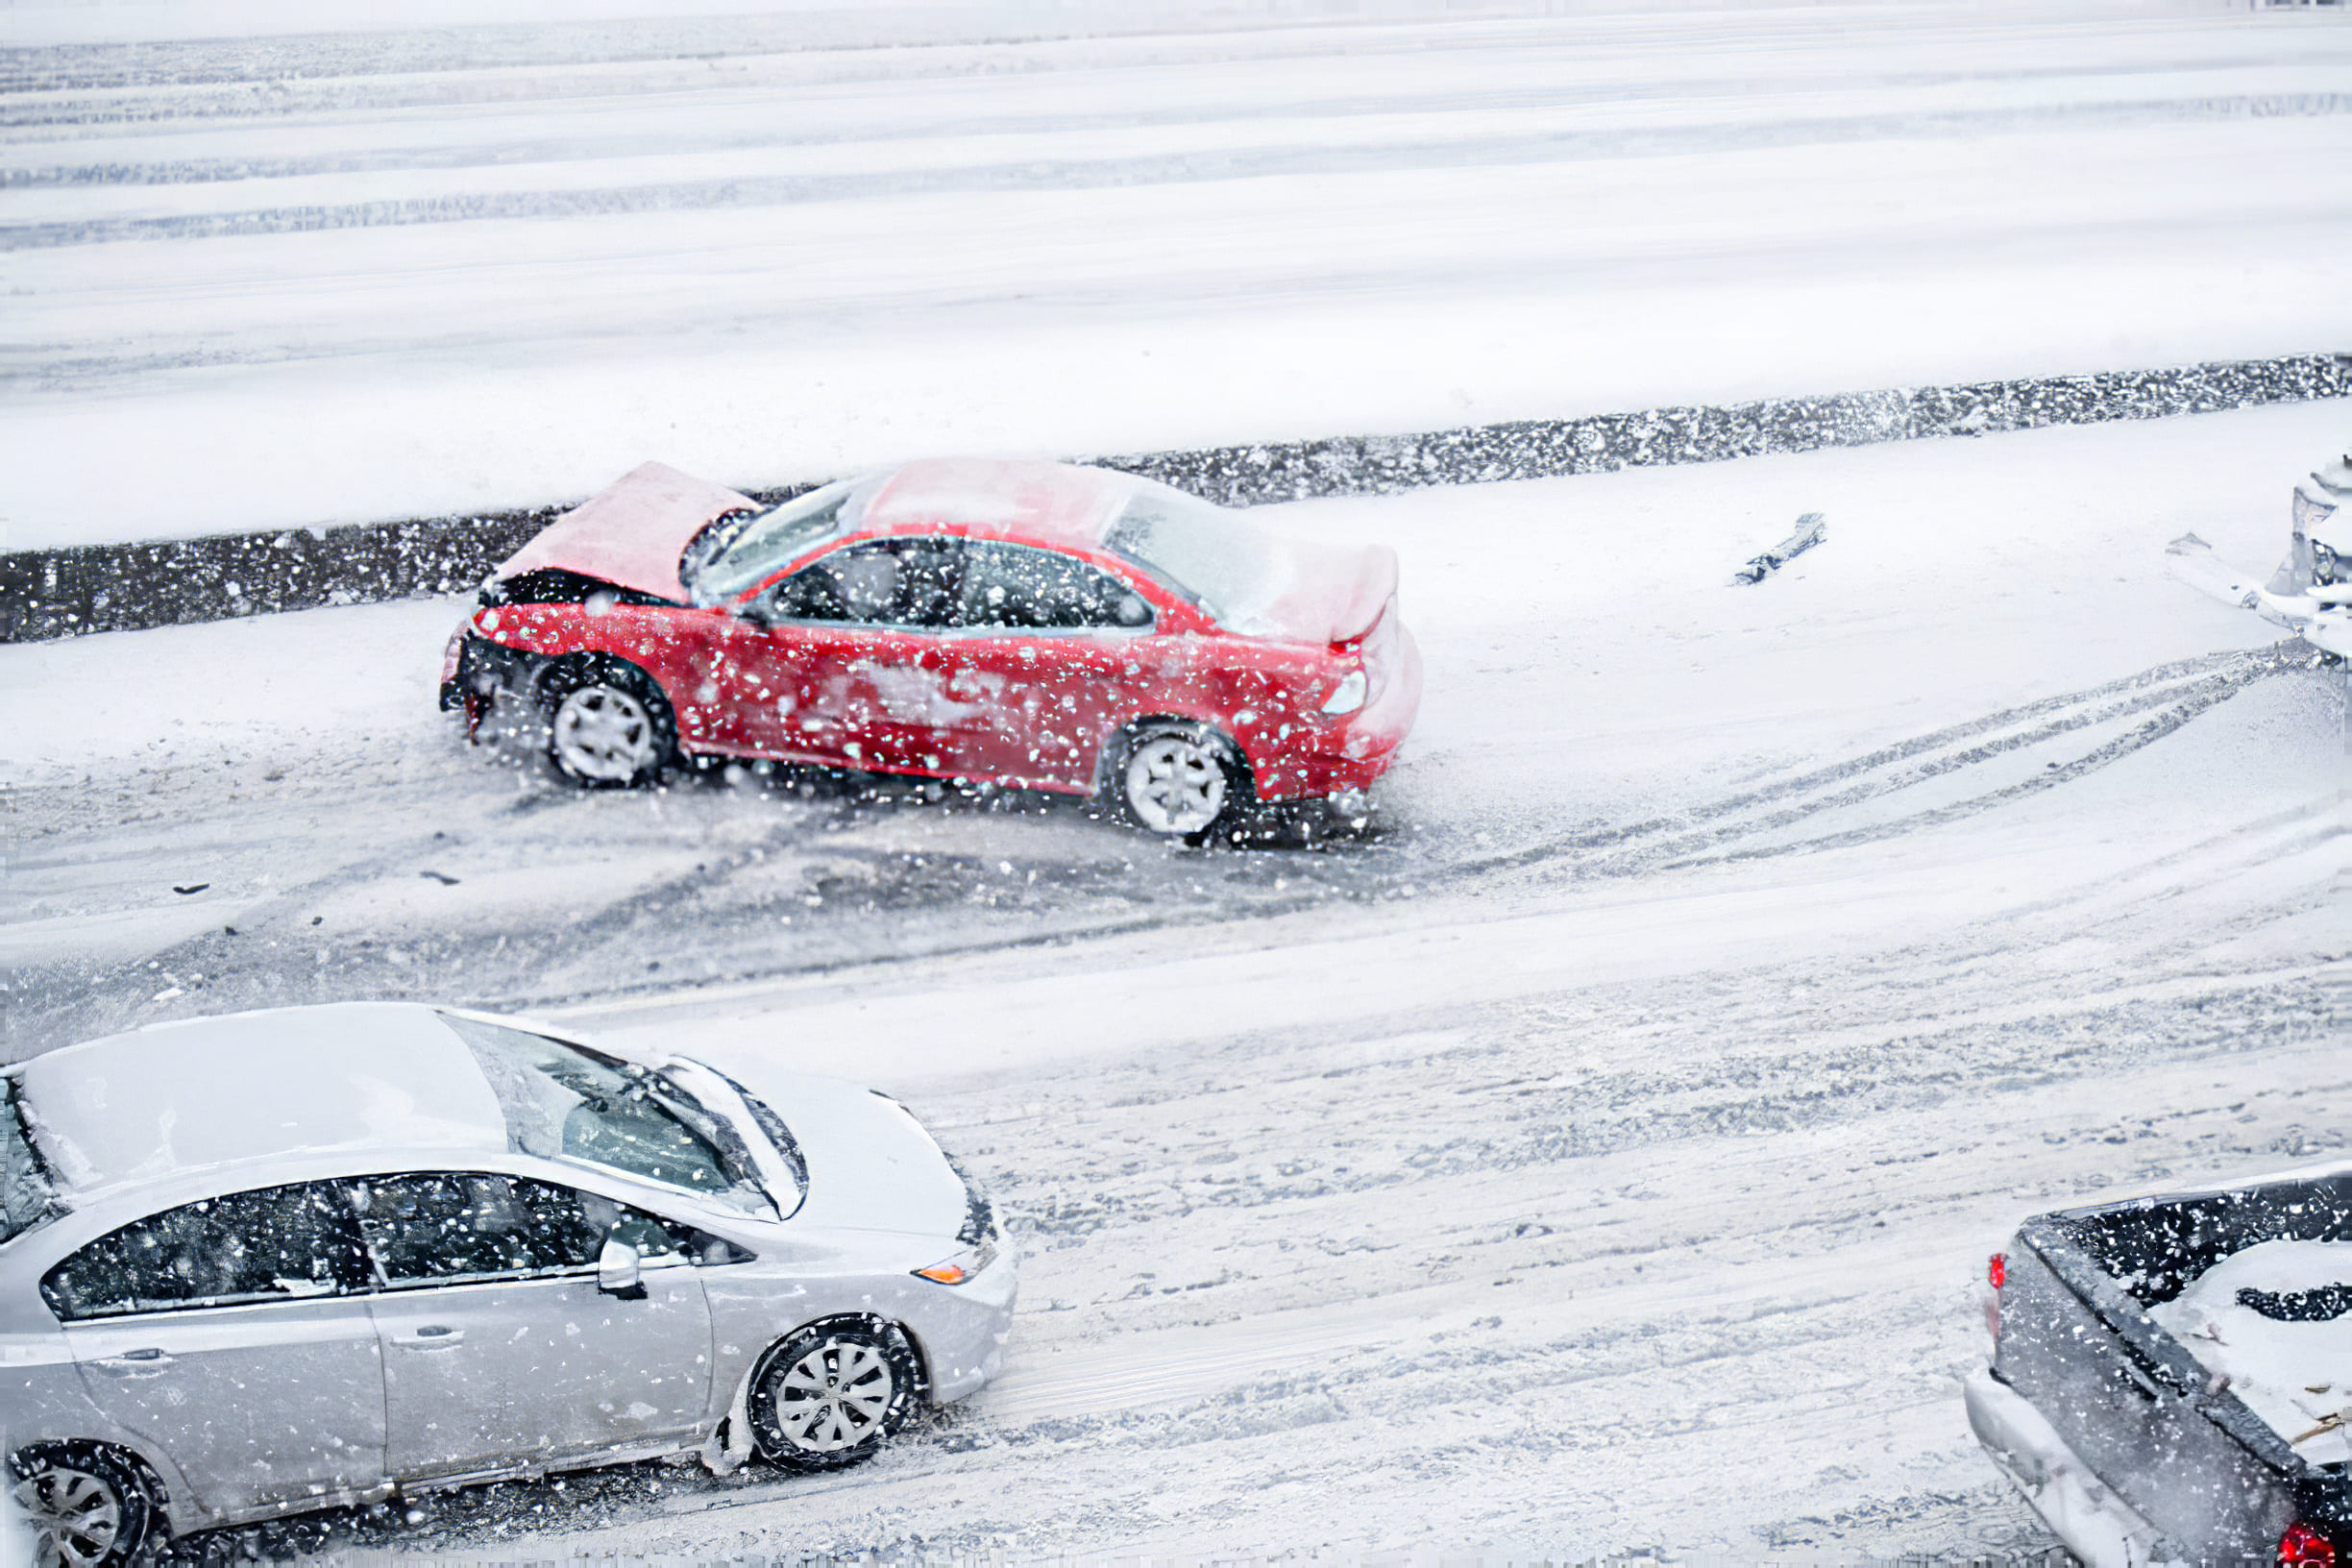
(123, 587)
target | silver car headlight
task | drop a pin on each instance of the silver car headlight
(960, 1266)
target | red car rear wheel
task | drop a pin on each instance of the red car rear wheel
(1177, 778)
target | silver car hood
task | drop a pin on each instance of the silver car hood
(870, 1164)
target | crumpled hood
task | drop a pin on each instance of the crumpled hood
(631, 533)
(870, 1164)
(1321, 593)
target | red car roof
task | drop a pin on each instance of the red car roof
(1048, 503)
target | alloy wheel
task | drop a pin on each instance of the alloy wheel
(834, 1397)
(75, 1518)
(603, 733)
(1175, 784)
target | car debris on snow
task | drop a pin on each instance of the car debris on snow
(1811, 530)
(2311, 593)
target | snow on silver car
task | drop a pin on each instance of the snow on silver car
(280, 1260)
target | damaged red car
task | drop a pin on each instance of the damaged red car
(1033, 626)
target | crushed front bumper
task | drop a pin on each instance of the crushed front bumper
(474, 671)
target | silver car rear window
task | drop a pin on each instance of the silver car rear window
(563, 1102)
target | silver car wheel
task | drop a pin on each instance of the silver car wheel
(1175, 784)
(75, 1518)
(835, 1397)
(603, 733)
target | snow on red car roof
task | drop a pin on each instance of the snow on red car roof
(1052, 502)
(632, 532)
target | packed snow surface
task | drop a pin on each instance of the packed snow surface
(2295, 1375)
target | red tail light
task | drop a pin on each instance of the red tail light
(1998, 1270)
(2303, 1547)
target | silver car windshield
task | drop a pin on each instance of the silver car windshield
(563, 1102)
(26, 1197)
(1221, 562)
(735, 554)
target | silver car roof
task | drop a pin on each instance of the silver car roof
(176, 1099)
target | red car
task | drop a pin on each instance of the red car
(1032, 624)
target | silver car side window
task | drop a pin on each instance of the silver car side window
(447, 1226)
(272, 1244)
(453, 1227)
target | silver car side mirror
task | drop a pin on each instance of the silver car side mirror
(617, 1270)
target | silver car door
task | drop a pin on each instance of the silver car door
(234, 1334)
(499, 1351)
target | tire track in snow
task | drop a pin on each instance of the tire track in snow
(851, 899)
(2180, 691)
(1186, 167)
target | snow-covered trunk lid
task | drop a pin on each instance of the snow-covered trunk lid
(1322, 593)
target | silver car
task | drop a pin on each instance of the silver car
(289, 1259)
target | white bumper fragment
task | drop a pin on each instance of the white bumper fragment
(2325, 624)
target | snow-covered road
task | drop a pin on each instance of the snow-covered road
(1600, 1157)
(341, 278)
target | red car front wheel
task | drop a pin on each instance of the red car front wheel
(608, 725)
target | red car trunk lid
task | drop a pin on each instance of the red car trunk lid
(1324, 593)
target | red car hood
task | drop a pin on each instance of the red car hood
(1320, 593)
(631, 533)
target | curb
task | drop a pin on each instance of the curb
(62, 593)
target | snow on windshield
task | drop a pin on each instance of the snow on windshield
(1227, 565)
(562, 1102)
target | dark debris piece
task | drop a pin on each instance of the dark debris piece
(1811, 530)
(2322, 1304)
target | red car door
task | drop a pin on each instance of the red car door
(1041, 665)
(837, 672)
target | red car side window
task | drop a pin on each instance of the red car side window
(1016, 587)
(890, 582)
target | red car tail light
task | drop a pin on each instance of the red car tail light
(1996, 1271)
(2303, 1547)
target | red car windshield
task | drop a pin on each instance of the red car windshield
(1224, 564)
(734, 553)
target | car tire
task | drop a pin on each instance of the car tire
(609, 728)
(1177, 779)
(832, 1394)
(85, 1506)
